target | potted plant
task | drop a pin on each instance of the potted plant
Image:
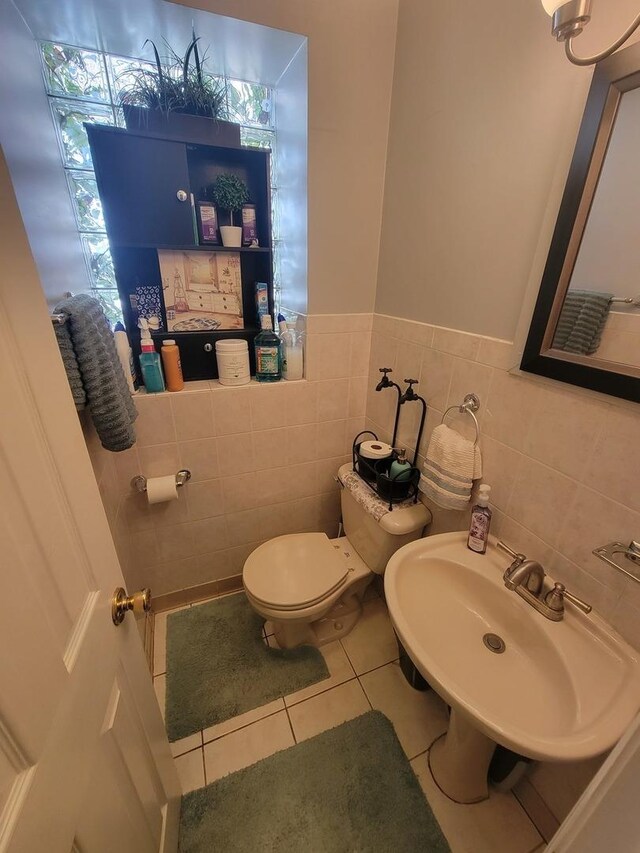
(179, 99)
(229, 192)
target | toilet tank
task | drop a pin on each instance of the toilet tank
(375, 541)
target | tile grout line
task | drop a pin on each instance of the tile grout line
(187, 751)
(366, 695)
(319, 693)
(204, 763)
(245, 726)
(295, 739)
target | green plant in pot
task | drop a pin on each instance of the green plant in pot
(179, 96)
(229, 192)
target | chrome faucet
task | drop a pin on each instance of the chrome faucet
(526, 577)
(527, 573)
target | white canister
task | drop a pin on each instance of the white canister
(232, 356)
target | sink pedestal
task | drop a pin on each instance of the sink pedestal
(459, 761)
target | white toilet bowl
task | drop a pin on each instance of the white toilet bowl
(311, 587)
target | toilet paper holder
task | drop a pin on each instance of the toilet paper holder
(139, 483)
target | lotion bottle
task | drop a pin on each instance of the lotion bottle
(480, 522)
(172, 366)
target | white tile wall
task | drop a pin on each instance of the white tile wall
(262, 459)
(562, 465)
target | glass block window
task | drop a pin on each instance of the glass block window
(85, 86)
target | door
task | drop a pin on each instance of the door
(144, 188)
(84, 759)
(606, 816)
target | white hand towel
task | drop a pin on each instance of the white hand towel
(453, 462)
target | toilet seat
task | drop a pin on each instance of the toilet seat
(294, 571)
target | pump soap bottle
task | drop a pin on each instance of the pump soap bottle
(480, 522)
(400, 467)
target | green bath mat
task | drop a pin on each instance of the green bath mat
(348, 789)
(218, 665)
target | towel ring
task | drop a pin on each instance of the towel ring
(469, 406)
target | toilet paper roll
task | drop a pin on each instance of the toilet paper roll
(375, 450)
(160, 489)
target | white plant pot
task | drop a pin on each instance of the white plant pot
(231, 235)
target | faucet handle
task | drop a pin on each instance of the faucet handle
(555, 599)
(519, 557)
(578, 602)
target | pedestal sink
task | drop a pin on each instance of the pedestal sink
(552, 691)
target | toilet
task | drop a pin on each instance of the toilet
(311, 587)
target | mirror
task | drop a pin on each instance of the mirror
(586, 324)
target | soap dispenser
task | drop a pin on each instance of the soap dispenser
(480, 522)
(400, 469)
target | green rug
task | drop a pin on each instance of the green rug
(348, 789)
(218, 665)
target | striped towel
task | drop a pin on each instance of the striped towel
(108, 397)
(582, 321)
(453, 462)
(70, 362)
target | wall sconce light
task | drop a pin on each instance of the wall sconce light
(570, 18)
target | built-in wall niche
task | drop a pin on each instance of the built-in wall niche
(116, 31)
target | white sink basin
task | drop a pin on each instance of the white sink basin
(560, 690)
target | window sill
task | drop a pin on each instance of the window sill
(214, 385)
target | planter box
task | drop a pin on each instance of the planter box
(182, 127)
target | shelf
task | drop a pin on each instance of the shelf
(193, 247)
(170, 333)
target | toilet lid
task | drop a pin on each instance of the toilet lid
(294, 571)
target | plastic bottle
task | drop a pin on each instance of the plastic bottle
(172, 366)
(400, 469)
(480, 522)
(232, 357)
(267, 346)
(151, 367)
(126, 357)
(282, 334)
(292, 360)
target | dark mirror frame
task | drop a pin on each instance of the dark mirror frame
(612, 78)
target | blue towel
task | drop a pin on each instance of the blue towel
(70, 362)
(108, 397)
(582, 321)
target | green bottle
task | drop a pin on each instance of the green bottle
(267, 346)
(400, 468)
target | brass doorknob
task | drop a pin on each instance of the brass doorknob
(139, 602)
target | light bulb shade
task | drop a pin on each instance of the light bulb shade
(551, 6)
(568, 17)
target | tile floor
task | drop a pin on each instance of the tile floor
(364, 674)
